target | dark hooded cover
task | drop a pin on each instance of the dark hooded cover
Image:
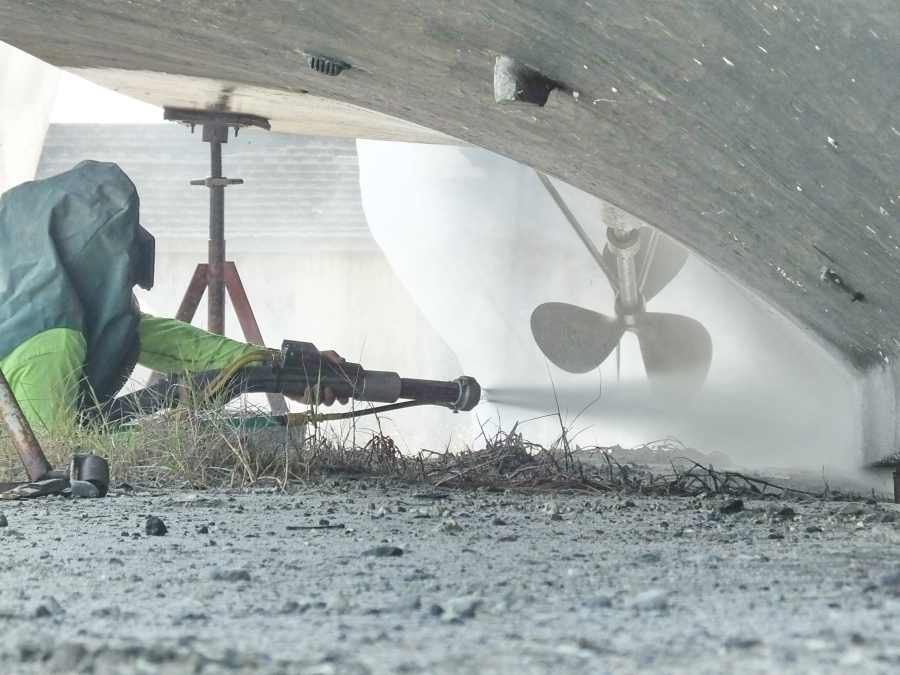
(66, 244)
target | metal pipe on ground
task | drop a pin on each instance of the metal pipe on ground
(21, 434)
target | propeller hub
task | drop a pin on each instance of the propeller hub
(629, 315)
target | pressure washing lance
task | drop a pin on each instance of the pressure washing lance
(297, 368)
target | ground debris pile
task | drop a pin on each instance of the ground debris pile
(510, 461)
(203, 450)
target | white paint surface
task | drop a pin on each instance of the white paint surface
(27, 89)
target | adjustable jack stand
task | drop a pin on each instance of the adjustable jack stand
(219, 275)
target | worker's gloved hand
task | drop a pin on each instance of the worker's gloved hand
(311, 396)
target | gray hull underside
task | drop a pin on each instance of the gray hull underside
(764, 136)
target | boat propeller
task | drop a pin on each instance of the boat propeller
(638, 262)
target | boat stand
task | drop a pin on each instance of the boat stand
(218, 275)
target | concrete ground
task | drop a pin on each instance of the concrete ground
(399, 579)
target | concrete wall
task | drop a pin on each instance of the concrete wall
(27, 90)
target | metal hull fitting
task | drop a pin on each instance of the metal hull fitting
(763, 136)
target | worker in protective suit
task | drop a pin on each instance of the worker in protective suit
(71, 251)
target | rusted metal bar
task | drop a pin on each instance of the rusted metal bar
(23, 438)
(193, 295)
(249, 326)
(216, 278)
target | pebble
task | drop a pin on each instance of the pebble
(449, 525)
(851, 510)
(732, 506)
(599, 602)
(230, 575)
(654, 598)
(892, 581)
(155, 527)
(49, 606)
(3, 521)
(67, 658)
(786, 513)
(460, 609)
(384, 552)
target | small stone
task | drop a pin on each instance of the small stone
(449, 525)
(155, 527)
(384, 552)
(203, 529)
(338, 602)
(649, 557)
(742, 642)
(460, 609)
(599, 602)
(851, 510)
(776, 535)
(66, 658)
(814, 529)
(556, 516)
(889, 517)
(499, 522)
(652, 599)
(892, 581)
(629, 504)
(231, 575)
(786, 513)
(48, 607)
(732, 506)
(3, 521)
(552, 507)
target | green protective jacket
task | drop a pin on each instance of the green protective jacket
(46, 371)
(70, 329)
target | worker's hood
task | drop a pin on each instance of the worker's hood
(71, 250)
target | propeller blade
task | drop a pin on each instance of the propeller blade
(659, 261)
(573, 338)
(677, 350)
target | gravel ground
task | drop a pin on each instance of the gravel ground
(399, 579)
